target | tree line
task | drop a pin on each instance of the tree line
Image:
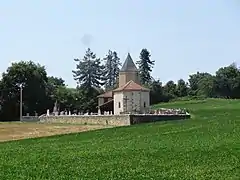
(94, 76)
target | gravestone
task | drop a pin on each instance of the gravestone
(48, 113)
(55, 110)
(99, 111)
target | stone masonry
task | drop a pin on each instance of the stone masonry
(112, 120)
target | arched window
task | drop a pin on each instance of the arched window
(144, 104)
(119, 104)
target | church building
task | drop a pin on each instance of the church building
(130, 97)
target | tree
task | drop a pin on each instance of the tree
(89, 76)
(55, 81)
(207, 87)
(194, 80)
(112, 63)
(53, 84)
(145, 66)
(68, 98)
(156, 92)
(182, 89)
(1, 97)
(170, 90)
(89, 71)
(228, 82)
(33, 78)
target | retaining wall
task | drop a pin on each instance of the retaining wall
(138, 118)
(30, 119)
(112, 120)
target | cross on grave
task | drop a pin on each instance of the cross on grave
(125, 101)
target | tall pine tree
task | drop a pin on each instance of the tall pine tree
(89, 71)
(112, 63)
(145, 66)
(89, 76)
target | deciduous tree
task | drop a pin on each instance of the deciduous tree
(33, 78)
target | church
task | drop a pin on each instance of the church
(130, 97)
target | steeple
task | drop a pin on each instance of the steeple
(129, 72)
(128, 65)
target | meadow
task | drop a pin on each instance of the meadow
(207, 146)
(20, 130)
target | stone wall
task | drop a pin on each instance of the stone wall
(30, 119)
(138, 118)
(112, 120)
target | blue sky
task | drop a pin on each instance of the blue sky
(183, 36)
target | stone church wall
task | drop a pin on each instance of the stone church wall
(137, 101)
(118, 103)
(125, 77)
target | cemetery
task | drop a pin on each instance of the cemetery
(126, 105)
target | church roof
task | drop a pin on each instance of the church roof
(131, 86)
(128, 65)
(106, 103)
(106, 94)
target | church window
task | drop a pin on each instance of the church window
(119, 104)
(144, 104)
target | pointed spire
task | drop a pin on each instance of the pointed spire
(128, 65)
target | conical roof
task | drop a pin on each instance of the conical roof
(128, 65)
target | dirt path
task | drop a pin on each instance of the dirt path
(18, 130)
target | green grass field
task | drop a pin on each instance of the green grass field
(204, 147)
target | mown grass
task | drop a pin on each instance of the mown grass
(205, 147)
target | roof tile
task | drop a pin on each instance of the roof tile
(106, 94)
(131, 86)
(128, 65)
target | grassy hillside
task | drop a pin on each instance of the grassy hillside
(205, 147)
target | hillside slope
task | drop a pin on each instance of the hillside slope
(205, 147)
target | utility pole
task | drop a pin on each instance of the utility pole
(21, 89)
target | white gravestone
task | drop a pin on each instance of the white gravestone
(48, 113)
